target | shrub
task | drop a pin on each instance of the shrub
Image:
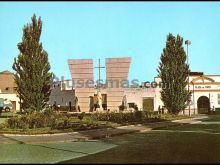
(12, 122)
(119, 117)
(80, 116)
(138, 115)
(32, 120)
(29, 110)
(2, 126)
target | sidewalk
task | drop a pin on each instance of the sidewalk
(91, 134)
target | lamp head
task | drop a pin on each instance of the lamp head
(187, 42)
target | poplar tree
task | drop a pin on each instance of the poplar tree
(33, 76)
(173, 70)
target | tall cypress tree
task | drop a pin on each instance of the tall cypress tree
(173, 71)
(32, 68)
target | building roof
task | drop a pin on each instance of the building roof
(6, 72)
(196, 73)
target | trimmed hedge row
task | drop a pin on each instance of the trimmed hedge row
(53, 120)
(127, 117)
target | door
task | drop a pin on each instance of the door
(148, 104)
(70, 106)
(203, 105)
(104, 101)
(13, 105)
(91, 103)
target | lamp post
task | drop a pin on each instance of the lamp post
(187, 42)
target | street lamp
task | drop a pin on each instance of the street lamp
(188, 42)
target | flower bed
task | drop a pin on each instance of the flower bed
(50, 121)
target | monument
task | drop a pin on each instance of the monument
(116, 70)
(82, 71)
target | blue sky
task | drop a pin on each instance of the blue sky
(114, 29)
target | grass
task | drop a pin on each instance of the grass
(49, 153)
(48, 130)
(45, 130)
(6, 115)
(168, 145)
(194, 143)
(170, 117)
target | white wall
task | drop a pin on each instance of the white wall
(197, 94)
(11, 97)
(136, 95)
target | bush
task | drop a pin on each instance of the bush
(138, 115)
(133, 117)
(32, 120)
(120, 117)
(55, 121)
(80, 116)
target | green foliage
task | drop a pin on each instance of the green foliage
(32, 120)
(120, 117)
(49, 121)
(170, 117)
(81, 116)
(134, 117)
(54, 121)
(138, 115)
(173, 71)
(32, 69)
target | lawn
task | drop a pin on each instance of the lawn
(49, 153)
(4, 116)
(194, 143)
(2, 120)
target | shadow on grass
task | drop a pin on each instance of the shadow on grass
(40, 145)
(190, 143)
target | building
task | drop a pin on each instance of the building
(62, 95)
(8, 89)
(205, 93)
(205, 88)
(143, 97)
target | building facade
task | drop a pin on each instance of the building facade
(205, 89)
(62, 95)
(205, 93)
(8, 89)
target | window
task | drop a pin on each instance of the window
(7, 88)
(218, 98)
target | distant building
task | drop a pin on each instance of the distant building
(63, 95)
(8, 89)
(205, 88)
(205, 93)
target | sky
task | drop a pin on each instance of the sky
(78, 30)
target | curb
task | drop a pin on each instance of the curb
(55, 134)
